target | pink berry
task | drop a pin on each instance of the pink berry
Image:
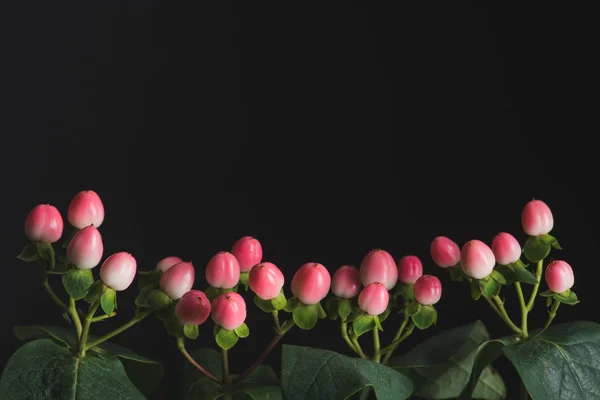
(379, 266)
(178, 280)
(248, 251)
(167, 263)
(44, 224)
(223, 271)
(373, 298)
(346, 282)
(311, 283)
(410, 269)
(537, 218)
(506, 248)
(228, 310)
(193, 308)
(428, 290)
(477, 259)
(266, 280)
(444, 252)
(559, 276)
(86, 248)
(117, 271)
(86, 209)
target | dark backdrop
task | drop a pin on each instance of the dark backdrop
(324, 132)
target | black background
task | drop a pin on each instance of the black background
(325, 130)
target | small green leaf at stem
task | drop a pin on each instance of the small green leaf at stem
(498, 277)
(77, 282)
(108, 302)
(242, 331)
(363, 324)
(191, 331)
(29, 253)
(413, 309)
(292, 304)
(306, 316)
(279, 302)
(226, 339)
(426, 317)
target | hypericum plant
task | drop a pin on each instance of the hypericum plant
(355, 303)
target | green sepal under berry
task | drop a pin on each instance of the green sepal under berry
(404, 290)
(337, 307)
(225, 338)
(274, 304)
(537, 248)
(457, 274)
(489, 287)
(149, 279)
(191, 331)
(212, 292)
(77, 282)
(46, 253)
(292, 304)
(244, 276)
(426, 317)
(363, 324)
(306, 316)
(96, 291)
(108, 302)
(153, 298)
(568, 297)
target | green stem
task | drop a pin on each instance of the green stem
(86, 328)
(276, 321)
(376, 346)
(225, 367)
(289, 324)
(181, 347)
(394, 345)
(344, 332)
(103, 317)
(75, 317)
(524, 309)
(53, 295)
(504, 315)
(553, 310)
(137, 318)
(396, 339)
(359, 350)
(538, 275)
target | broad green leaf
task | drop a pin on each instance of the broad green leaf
(486, 354)
(46, 370)
(311, 374)
(523, 275)
(143, 372)
(262, 384)
(536, 248)
(226, 339)
(440, 367)
(306, 316)
(77, 282)
(29, 253)
(560, 363)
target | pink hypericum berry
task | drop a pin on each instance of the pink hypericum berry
(477, 259)
(379, 266)
(311, 283)
(373, 298)
(193, 308)
(117, 271)
(167, 263)
(223, 270)
(559, 276)
(228, 310)
(410, 269)
(506, 248)
(248, 252)
(86, 248)
(178, 280)
(266, 280)
(444, 252)
(86, 209)
(428, 290)
(346, 282)
(537, 218)
(44, 224)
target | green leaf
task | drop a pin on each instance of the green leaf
(149, 279)
(46, 252)
(475, 289)
(244, 279)
(490, 288)
(60, 268)
(242, 331)
(547, 293)
(457, 274)
(292, 304)
(425, 318)
(522, 274)
(560, 363)
(153, 298)
(486, 353)
(309, 373)
(191, 331)
(108, 302)
(261, 384)
(536, 248)
(212, 292)
(45, 369)
(306, 316)
(569, 298)
(498, 277)
(279, 302)
(143, 372)
(413, 309)
(77, 282)
(29, 253)
(344, 308)
(363, 324)
(441, 366)
(171, 322)
(96, 291)
(404, 290)
(264, 305)
(226, 339)
(331, 307)
(507, 273)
